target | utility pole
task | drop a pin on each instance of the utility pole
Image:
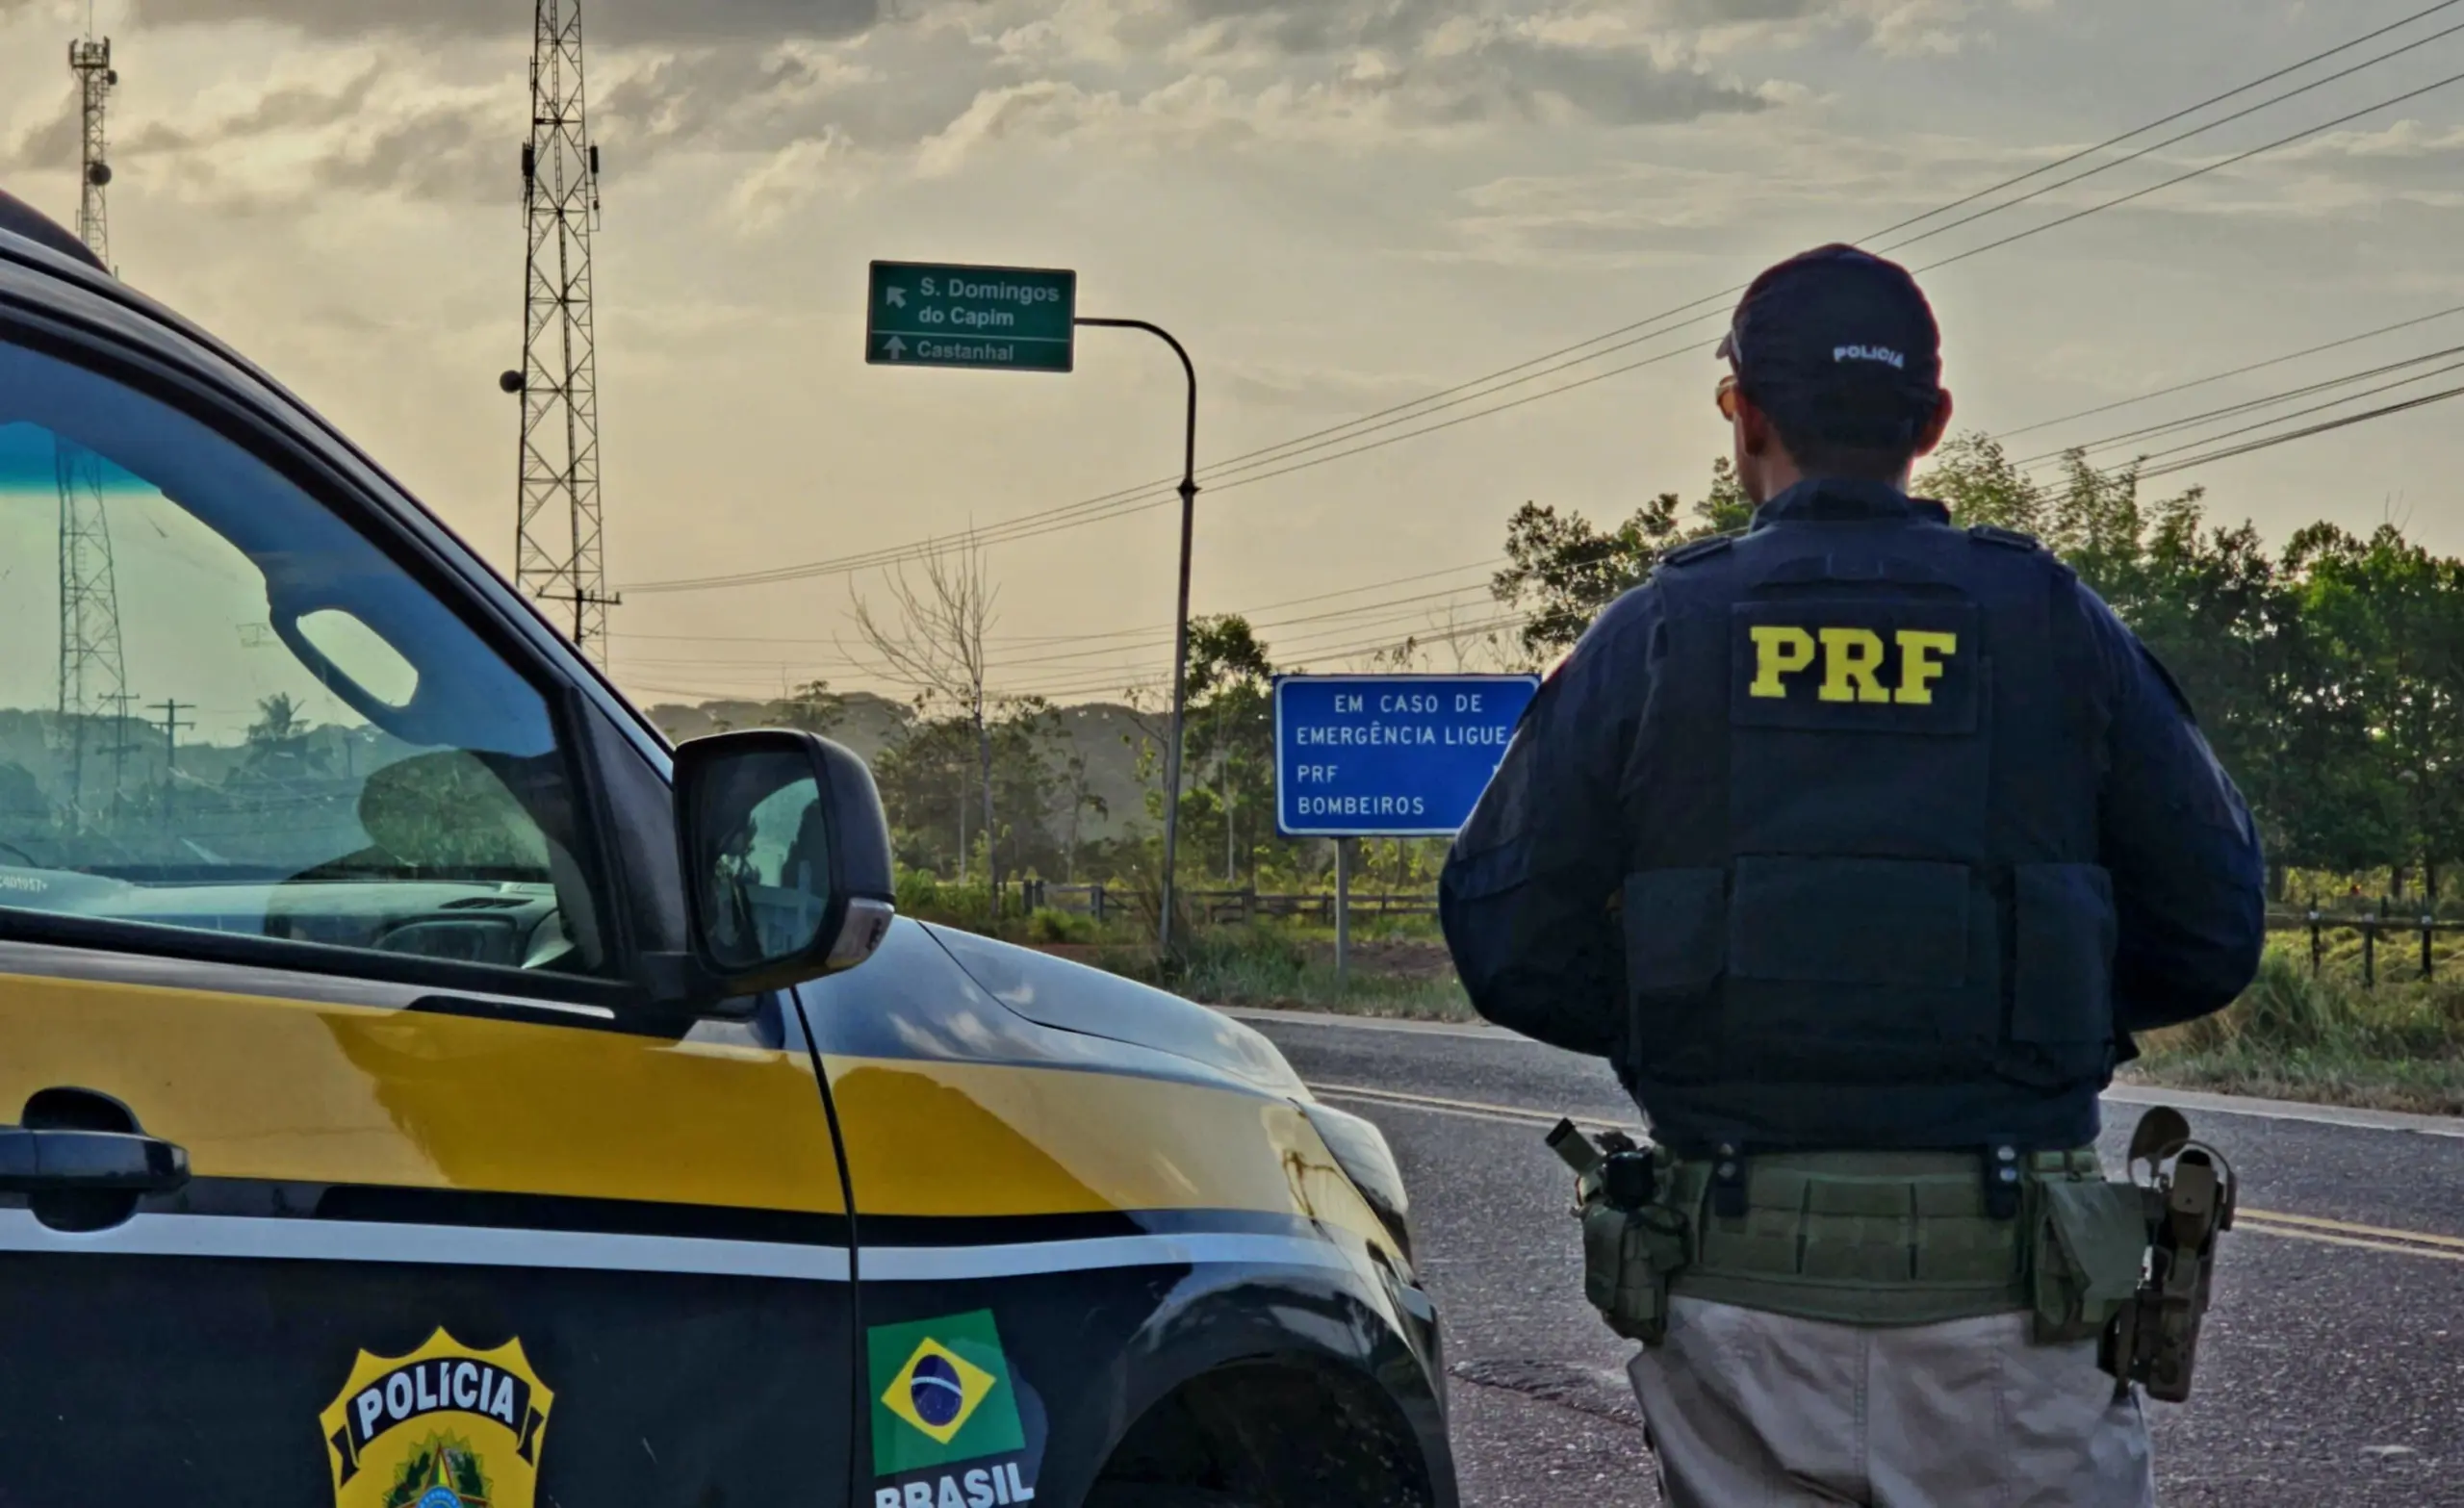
(172, 722)
(120, 748)
(91, 675)
(556, 544)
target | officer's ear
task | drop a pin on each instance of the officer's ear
(1755, 435)
(1937, 427)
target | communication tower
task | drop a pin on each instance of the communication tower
(556, 546)
(92, 679)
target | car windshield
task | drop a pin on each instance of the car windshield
(228, 709)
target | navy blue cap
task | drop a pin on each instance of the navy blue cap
(1840, 344)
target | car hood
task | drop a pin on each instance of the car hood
(1073, 997)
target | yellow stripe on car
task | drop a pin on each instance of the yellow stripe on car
(264, 1087)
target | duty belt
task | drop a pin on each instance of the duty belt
(1862, 1238)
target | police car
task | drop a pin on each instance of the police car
(431, 1091)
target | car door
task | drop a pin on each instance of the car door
(349, 1162)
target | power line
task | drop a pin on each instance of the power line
(2237, 371)
(2201, 130)
(1308, 643)
(2193, 421)
(2301, 413)
(1351, 622)
(1091, 679)
(2273, 441)
(2199, 172)
(1104, 508)
(1963, 256)
(2185, 112)
(1488, 565)
(1312, 643)
(1094, 683)
(1992, 210)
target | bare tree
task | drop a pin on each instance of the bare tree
(932, 642)
(1475, 646)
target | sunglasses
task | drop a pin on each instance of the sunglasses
(1727, 396)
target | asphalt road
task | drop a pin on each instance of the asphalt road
(2331, 1370)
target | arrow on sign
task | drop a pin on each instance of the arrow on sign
(895, 346)
(895, 297)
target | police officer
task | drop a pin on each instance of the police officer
(1861, 844)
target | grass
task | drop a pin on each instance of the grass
(2326, 1039)
(1276, 968)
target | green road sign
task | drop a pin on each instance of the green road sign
(1000, 319)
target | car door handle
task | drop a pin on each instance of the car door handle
(44, 1160)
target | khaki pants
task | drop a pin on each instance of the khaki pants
(1753, 1410)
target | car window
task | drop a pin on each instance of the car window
(224, 708)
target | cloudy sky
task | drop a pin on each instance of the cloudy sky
(1339, 205)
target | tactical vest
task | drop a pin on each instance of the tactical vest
(1864, 908)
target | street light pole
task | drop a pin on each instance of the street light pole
(1180, 623)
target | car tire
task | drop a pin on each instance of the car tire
(1137, 1494)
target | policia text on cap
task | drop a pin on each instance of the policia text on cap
(1861, 844)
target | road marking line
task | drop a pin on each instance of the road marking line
(2260, 1228)
(2264, 1222)
(2348, 1228)
(1519, 1114)
(2251, 1107)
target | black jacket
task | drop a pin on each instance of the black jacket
(1777, 912)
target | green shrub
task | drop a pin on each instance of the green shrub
(1062, 927)
(2297, 1036)
(1267, 964)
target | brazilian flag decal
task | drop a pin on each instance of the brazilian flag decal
(941, 1393)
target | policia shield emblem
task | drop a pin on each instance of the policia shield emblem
(446, 1426)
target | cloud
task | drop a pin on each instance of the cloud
(1522, 76)
(290, 106)
(620, 22)
(372, 131)
(51, 143)
(785, 182)
(825, 95)
(1316, 390)
(1361, 107)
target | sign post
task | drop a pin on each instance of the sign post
(1361, 756)
(988, 319)
(995, 319)
(1343, 911)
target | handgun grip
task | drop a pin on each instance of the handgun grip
(1573, 1147)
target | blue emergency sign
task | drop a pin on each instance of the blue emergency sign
(1386, 756)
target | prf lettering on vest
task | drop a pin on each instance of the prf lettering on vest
(1852, 662)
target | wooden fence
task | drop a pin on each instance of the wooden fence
(2370, 927)
(1213, 906)
(2382, 928)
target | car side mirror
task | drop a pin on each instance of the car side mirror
(786, 863)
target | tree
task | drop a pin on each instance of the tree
(2390, 618)
(278, 721)
(1974, 477)
(1568, 569)
(1076, 784)
(280, 741)
(934, 645)
(924, 776)
(812, 707)
(1231, 683)
(2328, 675)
